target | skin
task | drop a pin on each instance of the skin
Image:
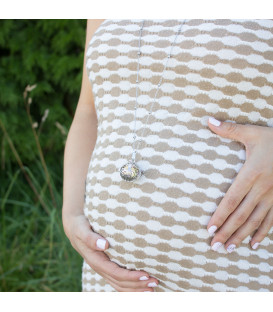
(80, 143)
(247, 206)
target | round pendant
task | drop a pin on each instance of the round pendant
(130, 171)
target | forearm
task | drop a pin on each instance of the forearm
(79, 146)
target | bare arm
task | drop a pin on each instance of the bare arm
(81, 140)
(79, 146)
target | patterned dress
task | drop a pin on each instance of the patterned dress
(221, 68)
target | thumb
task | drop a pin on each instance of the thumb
(229, 130)
(96, 241)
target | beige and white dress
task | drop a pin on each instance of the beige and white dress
(221, 68)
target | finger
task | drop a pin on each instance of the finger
(95, 259)
(149, 285)
(120, 274)
(95, 241)
(251, 224)
(103, 265)
(127, 289)
(235, 194)
(148, 282)
(143, 282)
(239, 132)
(263, 230)
(90, 238)
(238, 217)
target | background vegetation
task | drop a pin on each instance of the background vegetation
(40, 75)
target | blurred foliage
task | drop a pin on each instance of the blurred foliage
(48, 53)
(35, 254)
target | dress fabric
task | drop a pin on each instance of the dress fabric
(221, 68)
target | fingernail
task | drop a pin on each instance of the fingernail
(214, 121)
(143, 278)
(216, 245)
(255, 245)
(231, 247)
(101, 243)
(153, 284)
(212, 229)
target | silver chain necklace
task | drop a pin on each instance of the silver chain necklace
(130, 171)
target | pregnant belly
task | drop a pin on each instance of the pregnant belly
(158, 223)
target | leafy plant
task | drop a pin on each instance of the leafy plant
(40, 75)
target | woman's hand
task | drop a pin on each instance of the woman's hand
(90, 246)
(248, 204)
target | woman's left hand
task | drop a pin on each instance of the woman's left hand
(248, 203)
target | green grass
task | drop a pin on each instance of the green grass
(35, 254)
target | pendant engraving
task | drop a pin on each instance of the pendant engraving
(130, 171)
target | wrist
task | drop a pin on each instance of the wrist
(72, 209)
(68, 218)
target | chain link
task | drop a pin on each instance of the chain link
(158, 85)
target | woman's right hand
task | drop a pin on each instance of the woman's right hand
(91, 246)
